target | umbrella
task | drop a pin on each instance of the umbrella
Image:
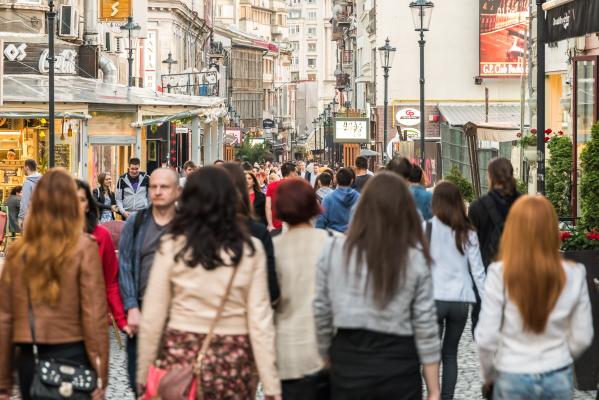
(368, 153)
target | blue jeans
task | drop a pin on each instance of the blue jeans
(552, 385)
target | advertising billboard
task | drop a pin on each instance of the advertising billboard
(351, 130)
(503, 31)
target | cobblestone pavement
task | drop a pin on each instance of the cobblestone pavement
(468, 386)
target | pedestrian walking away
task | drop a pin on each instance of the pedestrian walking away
(53, 309)
(337, 206)
(31, 180)
(374, 308)
(422, 197)
(488, 214)
(13, 204)
(536, 307)
(139, 242)
(457, 264)
(209, 295)
(105, 198)
(301, 368)
(132, 190)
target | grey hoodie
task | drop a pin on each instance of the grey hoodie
(28, 187)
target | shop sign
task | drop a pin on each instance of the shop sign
(25, 58)
(576, 18)
(268, 124)
(408, 116)
(115, 10)
(182, 130)
(351, 130)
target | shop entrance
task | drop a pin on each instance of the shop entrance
(111, 158)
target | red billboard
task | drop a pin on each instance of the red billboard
(503, 31)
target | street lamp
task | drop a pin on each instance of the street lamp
(170, 61)
(387, 54)
(51, 15)
(421, 15)
(130, 26)
(315, 123)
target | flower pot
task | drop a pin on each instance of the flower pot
(586, 367)
(530, 153)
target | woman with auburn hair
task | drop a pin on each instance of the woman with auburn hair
(53, 275)
(536, 314)
(374, 306)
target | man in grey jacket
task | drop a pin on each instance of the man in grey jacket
(31, 180)
(132, 190)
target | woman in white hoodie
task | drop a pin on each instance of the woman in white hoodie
(536, 314)
(456, 262)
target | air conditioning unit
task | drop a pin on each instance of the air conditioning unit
(68, 22)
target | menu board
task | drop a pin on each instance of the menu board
(62, 155)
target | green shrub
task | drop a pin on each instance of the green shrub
(558, 176)
(455, 176)
(589, 181)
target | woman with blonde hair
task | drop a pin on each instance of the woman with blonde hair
(536, 314)
(53, 297)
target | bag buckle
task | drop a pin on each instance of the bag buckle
(66, 389)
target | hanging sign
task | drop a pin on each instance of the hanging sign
(408, 116)
(576, 18)
(114, 10)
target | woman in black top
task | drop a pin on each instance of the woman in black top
(105, 197)
(257, 198)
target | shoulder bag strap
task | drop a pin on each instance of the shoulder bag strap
(32, 327)
(219, 311)
(429, 231)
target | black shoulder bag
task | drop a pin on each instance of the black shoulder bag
(59, 379)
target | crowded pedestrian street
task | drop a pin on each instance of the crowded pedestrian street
(299, 200)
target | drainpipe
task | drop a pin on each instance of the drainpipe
(109, 70)
(90, 27)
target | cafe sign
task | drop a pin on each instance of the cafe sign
(32, 58)
(114, 10)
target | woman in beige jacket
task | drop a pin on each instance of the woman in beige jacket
(189, 277)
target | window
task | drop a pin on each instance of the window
(311, 1)
(295, 76)
(311, 77)
(312, 31)
(312, 62)
(295, 60)
(294, 29)
(312, 15)
(295, 14)
(294, 46)
(311, 47)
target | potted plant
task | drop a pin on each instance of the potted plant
(455, 176)
(581, 244)
(559, 173)
(528, 142)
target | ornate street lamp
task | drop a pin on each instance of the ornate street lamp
(130, 26)
(387, 53)
(421, 15)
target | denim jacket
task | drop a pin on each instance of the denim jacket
(130, 260)
(423, 199)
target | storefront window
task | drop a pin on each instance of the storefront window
(109, 158)
(585, 99)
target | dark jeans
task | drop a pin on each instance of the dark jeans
(132, 361)
(313, 387)
(25, 362)
(452, 317)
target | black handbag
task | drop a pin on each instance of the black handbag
(56, 379)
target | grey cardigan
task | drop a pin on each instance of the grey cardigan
(343, 301)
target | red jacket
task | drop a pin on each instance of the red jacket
(110, 265)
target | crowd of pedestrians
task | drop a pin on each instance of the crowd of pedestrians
(310, 281)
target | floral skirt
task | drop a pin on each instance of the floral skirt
(228, 369)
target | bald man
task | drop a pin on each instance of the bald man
(139, 241)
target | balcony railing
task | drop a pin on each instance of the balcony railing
(192, 83)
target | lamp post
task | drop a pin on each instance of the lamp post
(541, 97)
(51, 18)
(170, 61)
(315, 124)
(421, 15)
(130, 26)
(387, 54)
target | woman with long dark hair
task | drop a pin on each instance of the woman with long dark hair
(53, 276)
(257, 229)
(110, 264)
(488, 214)
(257, 198)
(209, 261)
(456, 256)
(536, 314)
(374, 307)
(104, 197)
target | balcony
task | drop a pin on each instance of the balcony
(277, 30)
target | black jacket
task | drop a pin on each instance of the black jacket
(99, 195)
(260, 207)
(260, 232)
(488, 214)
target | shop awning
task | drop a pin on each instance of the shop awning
(65, 115)
(570, 19)
(503, 114)
(75, 89)
(206, 115)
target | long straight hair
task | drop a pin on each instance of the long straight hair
(448, 206)
(385, 227)
(53, 227)
(533, 272)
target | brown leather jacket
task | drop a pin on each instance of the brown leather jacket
(79, 315)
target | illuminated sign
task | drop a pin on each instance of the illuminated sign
(115, 10)
(408, 116)
(503, 31)
(351, 130)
